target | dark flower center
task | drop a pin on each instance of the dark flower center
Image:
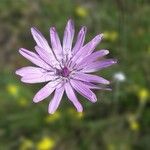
(63, 72)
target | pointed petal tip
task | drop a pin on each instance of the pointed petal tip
(106, 52)
(94, 99)
(52, 29)
(33, 29)
(35, 100)
(80, 110)
(114, 61)
(22, 50)
(70, 21)
(101, 35)
(51, 111)
(84, 29)
(107, 82)
(17, 72)
(98, 38)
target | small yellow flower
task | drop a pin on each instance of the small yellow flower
(46, 144)
(26, 144)
(23, 102)
(111, 35)
(81, 11)
(12, 89)
(143, 95)
(133, 123)
(52, 118)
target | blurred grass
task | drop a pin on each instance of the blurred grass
(120, 120)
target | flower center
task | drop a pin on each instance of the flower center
(63, 72)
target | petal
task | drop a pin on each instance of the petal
(83, 90)
(87, 49)
(47, 58)
(71, 95)
(30, 70)
(68, 38)
(55, 43)
(98, 87)
(40, 39)
(54, 103)
(42, 42)
(37, 78)
(34, 58)
(93, 57)
(45, 91)
(95, 66)
(80, 40)
(90, 78)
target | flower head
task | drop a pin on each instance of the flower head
(46, 143)
(12, 89)
(81, 11)
(65, 67)
(143, 95)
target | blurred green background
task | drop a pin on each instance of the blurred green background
(120, 120)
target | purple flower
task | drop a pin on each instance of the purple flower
(64, 67)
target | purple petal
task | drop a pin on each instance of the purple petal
(42, 42)
(80, 40)
(38, 78)
(91, 58)
(68, 38)
(90, 78)
(98, 87)
(55, 42)
(40, 39)
(87, 49)
(29, 70)
(47, 58)
(95, 66)
(54, 103)
(83, 90)
(71, 95)
(45, 91)
(34, 58)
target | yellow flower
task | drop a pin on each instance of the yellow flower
(133, 123)
(52, 118)
(46, 144)
(26, 144)
(23, 102)
(81, 11)
(111, 35)
(143, 95)
(12, 89)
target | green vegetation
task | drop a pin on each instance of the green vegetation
(120, 120)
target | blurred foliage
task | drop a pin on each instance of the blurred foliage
(120, 120)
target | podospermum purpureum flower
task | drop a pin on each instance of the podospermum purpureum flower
(64, 67)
